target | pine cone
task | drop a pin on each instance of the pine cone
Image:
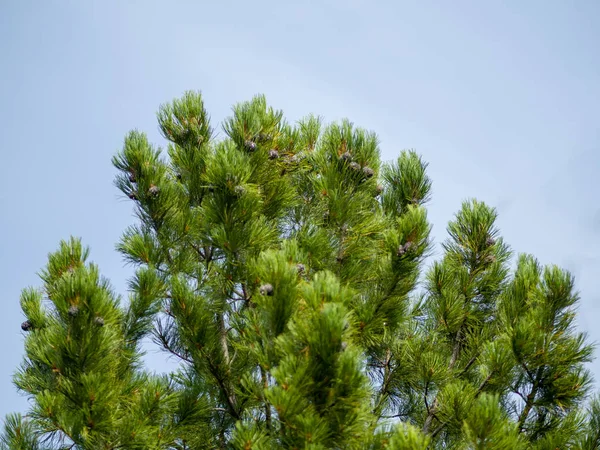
(266, 289)
(273, 154)
(73, 311)
(379, 189)
(490, 241)
(490, 259)
(153, 191)
(26, 326)
(368, 172)
(250, 146)
(264, 137)
(354, 166)
(132, 177)
(346, 156)
(300, 268)
(99, 321)
(133, 196)
(404, 248)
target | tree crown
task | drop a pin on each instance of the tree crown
(280, 265)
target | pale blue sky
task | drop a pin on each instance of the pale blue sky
(501, 97)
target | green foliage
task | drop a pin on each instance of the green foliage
(280, 265)
(19, 434)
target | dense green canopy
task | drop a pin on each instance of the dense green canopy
(281, 264)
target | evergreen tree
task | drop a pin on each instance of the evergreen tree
(280, 265)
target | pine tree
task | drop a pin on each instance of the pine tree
(282, 266)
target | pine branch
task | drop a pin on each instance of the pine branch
(456, 349)
(164, 342)
(199, 251)
(394, 416)
(453, 359)
(425, 394)
(231, 407)
(387, 375)
(530, 398)
(265, 382)
(468, 365)
(480, 389)
(223, 385)
(484, 384)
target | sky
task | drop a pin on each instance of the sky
(502, 98)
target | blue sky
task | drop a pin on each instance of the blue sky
(502, 98)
